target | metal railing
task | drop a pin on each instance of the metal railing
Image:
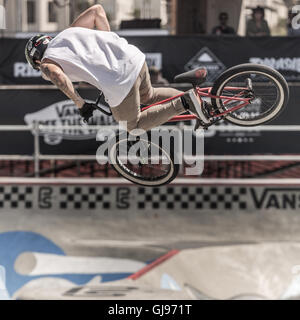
(39, 130)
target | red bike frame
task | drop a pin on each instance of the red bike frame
(206, 92)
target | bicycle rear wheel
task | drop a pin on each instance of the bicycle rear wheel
(267, 89)
(143, 162)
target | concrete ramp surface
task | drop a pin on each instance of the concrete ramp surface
(65, 240)
(260, 270)
(254, 271)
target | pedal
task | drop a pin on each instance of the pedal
(208, 115)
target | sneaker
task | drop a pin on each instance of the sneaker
(194, 104)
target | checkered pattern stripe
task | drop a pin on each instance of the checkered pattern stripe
(193, 198)
(85, 197)
(16, 197)
(133, 198)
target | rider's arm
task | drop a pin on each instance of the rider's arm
(56, 75)
(94, 17)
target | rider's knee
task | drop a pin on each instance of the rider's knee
(98, 10)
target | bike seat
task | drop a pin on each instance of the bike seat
(196, 77)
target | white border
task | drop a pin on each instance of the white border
(121, 182)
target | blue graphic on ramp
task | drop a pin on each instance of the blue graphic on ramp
(14, 243)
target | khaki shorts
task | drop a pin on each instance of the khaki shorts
(142, 92)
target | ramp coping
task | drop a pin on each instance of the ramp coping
(154, 264)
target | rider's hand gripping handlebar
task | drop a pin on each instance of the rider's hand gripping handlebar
(88, 109)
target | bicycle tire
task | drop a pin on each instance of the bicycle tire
(166, 179)
(220, 83)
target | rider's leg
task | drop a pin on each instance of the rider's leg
(191, 101)
(129, 109)
(150, 95)
(160, 114)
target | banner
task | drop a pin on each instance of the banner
(48, 107)
(171, 54)
(51, 107)
(175, 54)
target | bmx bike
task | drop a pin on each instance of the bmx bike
(244, 95)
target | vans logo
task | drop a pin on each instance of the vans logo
(205, 58)
(276, 198)
(65, 113)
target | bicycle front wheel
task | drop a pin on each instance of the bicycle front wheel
(266, 88)
(144, 162)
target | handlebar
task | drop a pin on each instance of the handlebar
(108, 113)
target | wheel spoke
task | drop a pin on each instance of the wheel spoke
(265, 100)
(148, 169)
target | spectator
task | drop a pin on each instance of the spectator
(156, 76)
(258, 26)
(223, 28)
(291, 31)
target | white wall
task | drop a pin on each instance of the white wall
(151, 9)
(63, 18)
(42, 23)
(120, 10)
(117, 10)
(16, 14)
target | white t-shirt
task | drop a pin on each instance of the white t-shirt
(100, 58)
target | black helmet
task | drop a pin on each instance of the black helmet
(35, 49)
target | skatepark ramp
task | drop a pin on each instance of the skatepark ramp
(101, 239)
(254, 271)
